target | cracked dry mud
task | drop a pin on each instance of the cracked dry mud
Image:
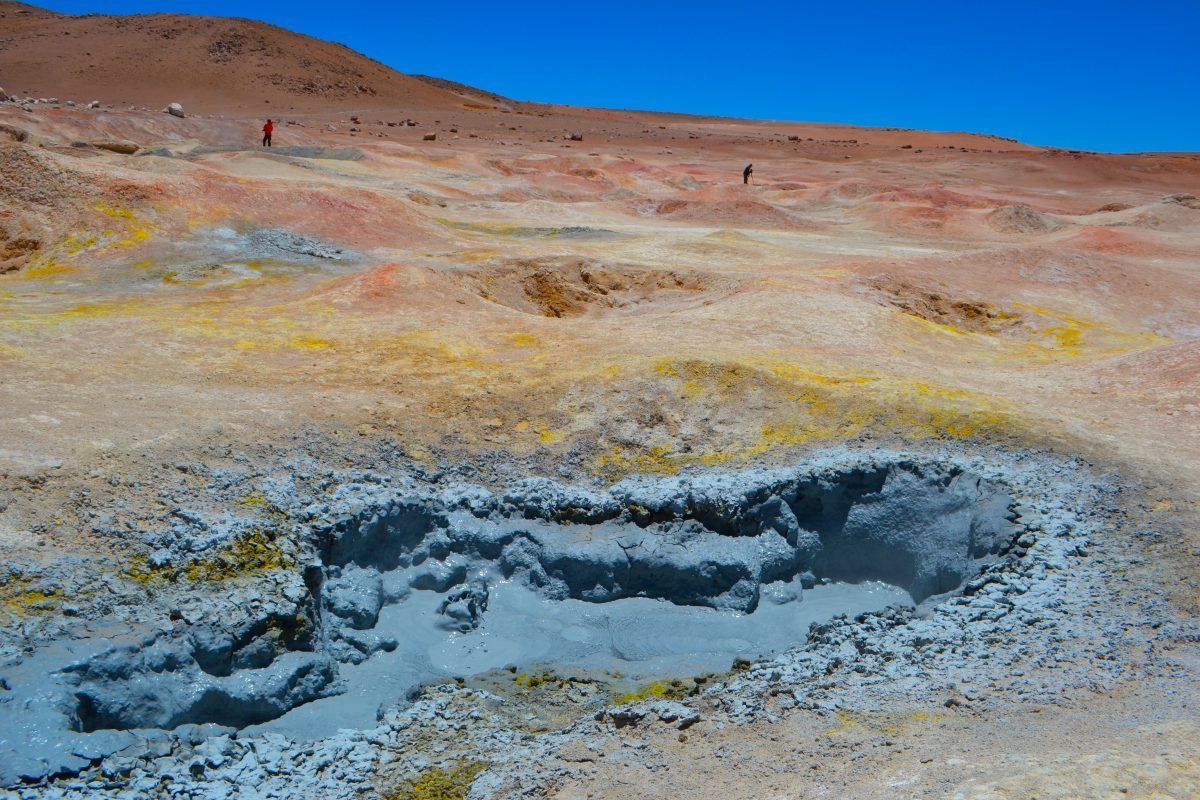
(508, 464)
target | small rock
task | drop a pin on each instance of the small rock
(175, 110)
(430, 137)
(122, 146)
(94, 104)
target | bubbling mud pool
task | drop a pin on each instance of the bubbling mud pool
(635, 639)
(407, 584)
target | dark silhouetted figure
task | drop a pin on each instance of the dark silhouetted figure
(267, 130)
(747, 172)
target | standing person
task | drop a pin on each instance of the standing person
(747, 172)
(267, 130)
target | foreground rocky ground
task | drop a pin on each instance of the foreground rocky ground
(206, 347)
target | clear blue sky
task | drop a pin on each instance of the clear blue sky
(1100, 75)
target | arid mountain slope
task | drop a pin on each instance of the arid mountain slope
(210, 64)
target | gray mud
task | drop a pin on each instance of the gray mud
(226, 255)
(401, 584)
(297, 151)
(637, 638)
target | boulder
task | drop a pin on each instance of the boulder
(122, 146)
(430, 137)
(4, 98)
(174, 109)
(94, 104)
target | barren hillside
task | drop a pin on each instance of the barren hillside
(210, 64)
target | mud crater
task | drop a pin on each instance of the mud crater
(573, 287)
(410, 585)
(965, 314)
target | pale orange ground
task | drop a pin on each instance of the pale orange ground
(523, 292)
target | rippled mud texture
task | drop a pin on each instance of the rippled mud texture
(652, 578)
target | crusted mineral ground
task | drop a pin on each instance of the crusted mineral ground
(514, 464)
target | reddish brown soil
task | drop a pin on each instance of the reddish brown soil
(209, 64)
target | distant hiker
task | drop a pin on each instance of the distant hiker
(267, 130)
(747, 172)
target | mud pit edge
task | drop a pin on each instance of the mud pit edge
(887, 645)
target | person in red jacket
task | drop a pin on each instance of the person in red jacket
(267, 130)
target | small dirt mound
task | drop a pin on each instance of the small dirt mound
(854, 190)
(738, 213)
(1020, 219)
(15, 251)
(966, 315)
(573, 287)
(30, 178)
(385, 288)
(1109, 208)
